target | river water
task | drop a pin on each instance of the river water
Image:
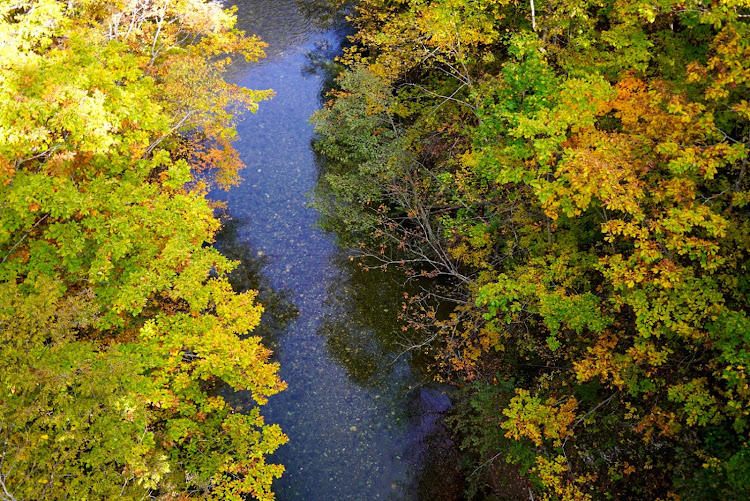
(358, 415)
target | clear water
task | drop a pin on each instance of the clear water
(357, 414)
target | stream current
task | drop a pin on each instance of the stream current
(359, 417)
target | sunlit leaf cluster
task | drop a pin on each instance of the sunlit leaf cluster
(118, 324)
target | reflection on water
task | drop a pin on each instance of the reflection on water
(361, 325)
(363, 334)
(356, 413)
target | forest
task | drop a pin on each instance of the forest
(117, 320)
(572, 177)
(568, 176)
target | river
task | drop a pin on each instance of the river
(359, 416)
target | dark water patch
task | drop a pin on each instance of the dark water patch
(435, 454)
(287, 26)
(362, 327)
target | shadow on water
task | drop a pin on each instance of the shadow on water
(364, 335)
(362, 329)
(278, 306)
(328, 14)
(287, 25)
(322, 62)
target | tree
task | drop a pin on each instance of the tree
(118, 319)
(584, 169)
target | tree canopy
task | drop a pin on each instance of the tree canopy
(118, 323)
(575, 176)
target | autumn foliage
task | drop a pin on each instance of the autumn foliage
(118, 324)
(574, 175)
